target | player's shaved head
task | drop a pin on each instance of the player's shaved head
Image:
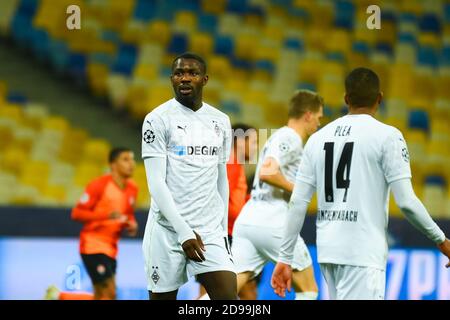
(192, 56)
(362, 88)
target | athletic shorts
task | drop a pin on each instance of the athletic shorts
(166, 265)
(100, 267)
(254, 246)
(347, 282)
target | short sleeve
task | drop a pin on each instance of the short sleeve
(395, 158)
(227, 140)
(154, 142)
(306, 172)
(283, 149)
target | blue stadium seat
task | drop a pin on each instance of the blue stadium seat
(406, 37)
(445, 56)
(344, 14)
(418, 119)
(429, 22)
(59, 55)
(360, 47)
(408, 17)
(101, 57)
(287, 4)
(28, 7)
(224, 45)
(384, 47)
(126, 59)
(265, 65)
(16, 97)
(388, 16)
(145, 10)
(207, 23)
(336, 56)
(185, 5)
(427, 56)
(40, 43)
(22, 29)
(294, 43)
(110, 36)
(307, 86)
(178, 43)
(241, 63)
(231, 107)
(237, 6)
(436, 180)
(77, 65)
(447, 12)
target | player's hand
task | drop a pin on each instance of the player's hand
(131, 228)
(445, 249)
(281, 279)
(194, 248)
(118, 216)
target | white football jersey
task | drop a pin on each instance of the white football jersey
(194, 143)
(351, 162)
(268, 205)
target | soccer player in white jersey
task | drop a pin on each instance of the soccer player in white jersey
(258, 228)
(186, 145)
(353, 163)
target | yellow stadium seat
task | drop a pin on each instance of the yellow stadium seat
(25, 195)
(201, 43)
(98, 75)
(416, 140)
(85, 173)
(56, 123)
(159, 32)
(56, 193)
(184, 21)
(134, 32)
(145, 72)
(338, 41)
(434, 199)
(61, 174)
(216, 7)
(13, 160)
(12, 111)
(96, 151)
(35, 174)
(72, 146)
(137, 99)
(6, 132)
(219, 66)
(245, 46)
(117, 85)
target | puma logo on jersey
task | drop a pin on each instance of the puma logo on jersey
(182, 128)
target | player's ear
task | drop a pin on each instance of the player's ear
(380, 97)
(205, 79)
(346, 99)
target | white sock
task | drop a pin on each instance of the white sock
(311, 295)
(204, 297)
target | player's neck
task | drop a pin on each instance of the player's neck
(362, 110)
(120, 180)
(299, 128)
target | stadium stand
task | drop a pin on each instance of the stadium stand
(258, 52)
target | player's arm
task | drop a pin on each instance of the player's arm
(282, 274)
(131, 225)
(224, 192)
(85, 209)
(397, 171)
(270, 173)
(417, 214)
(155, 168)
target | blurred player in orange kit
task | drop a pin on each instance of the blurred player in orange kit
(105, 209)
(245, 144)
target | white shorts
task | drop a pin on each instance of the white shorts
(347, 282)
(166, 266)
(254, 246)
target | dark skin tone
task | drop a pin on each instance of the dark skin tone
(188, 79)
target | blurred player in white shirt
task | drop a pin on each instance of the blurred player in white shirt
(259, 226)
(352, 164)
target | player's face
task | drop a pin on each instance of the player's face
(314, 121)
(124, 164)
(188, 79)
